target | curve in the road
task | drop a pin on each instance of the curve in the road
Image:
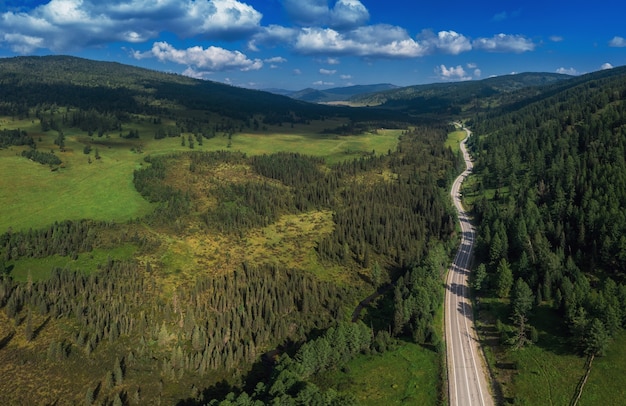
(467, 379)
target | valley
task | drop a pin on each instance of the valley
(165, 240)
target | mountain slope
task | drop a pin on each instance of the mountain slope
(29, 81)
(340, 93)
(453, 98)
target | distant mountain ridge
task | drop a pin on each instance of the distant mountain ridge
(334, 94)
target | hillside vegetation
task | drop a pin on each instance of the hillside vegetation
(166, 244)
(549, 203)
(166, 240)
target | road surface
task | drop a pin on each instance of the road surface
(467, 377)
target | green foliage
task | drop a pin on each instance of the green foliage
(596, 339)
(15, 137)
(45, 158)
(504, 278)
(521, 300)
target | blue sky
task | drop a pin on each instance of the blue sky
(294, 44)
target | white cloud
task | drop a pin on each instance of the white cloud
(449, 42)
(348, 13)
(567, 71)
(211, 59)
(333, 61)
(618, 42)
(346, 77)
(345, 14)
(369, 41)
(63, 25)
(297, 72)
(471, 65)
(556, 38)
(452, 73)
(271, 36)
(477, 73)
(322, 83)
(327, 71)
(606, 66)
(276, 59)
(504, 43)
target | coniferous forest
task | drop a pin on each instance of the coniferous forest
(197, 313)
(549, 206)
(249, 276)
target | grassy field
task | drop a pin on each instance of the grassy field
(40, 268)
(454, 139)
(545, 373)
(34, 196)
(407, 375)
(607, 381)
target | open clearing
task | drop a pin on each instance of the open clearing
(33, 196)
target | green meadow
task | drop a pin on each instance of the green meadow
(39, 268)
(406, 375)
(33, 195)
(454, 139)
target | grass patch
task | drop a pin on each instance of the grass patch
(454, 140)
(104, 190)
(87, 262)
(607, 381)
(545, 373)
(408, 374)
(332, 147)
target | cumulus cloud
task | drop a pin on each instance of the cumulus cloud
(345, 13)
(346, 77)
(452, 73)
(201, 60)
(504, 43)
(272, 35)
(368, 41)
(567, 71)
(63, 25)
(449, 42)
(618, 42)
(477, 73)
(327, 71)
(606, 66)
(348, 13)
(386, 41)
(322, 83)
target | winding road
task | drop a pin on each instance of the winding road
(467, 378)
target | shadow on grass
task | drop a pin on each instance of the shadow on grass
(553, 333)
(7, 339)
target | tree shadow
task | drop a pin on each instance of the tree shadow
(41, 327)
(7, 339)
(465, 309)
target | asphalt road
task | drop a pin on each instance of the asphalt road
(467, 376)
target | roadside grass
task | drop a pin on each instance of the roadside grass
(607, 382)
(40, 268)
(408, 374)
(454, 140)
(544, 373)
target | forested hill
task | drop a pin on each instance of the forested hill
(553, 173)
(27, 82)
(457, 97)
